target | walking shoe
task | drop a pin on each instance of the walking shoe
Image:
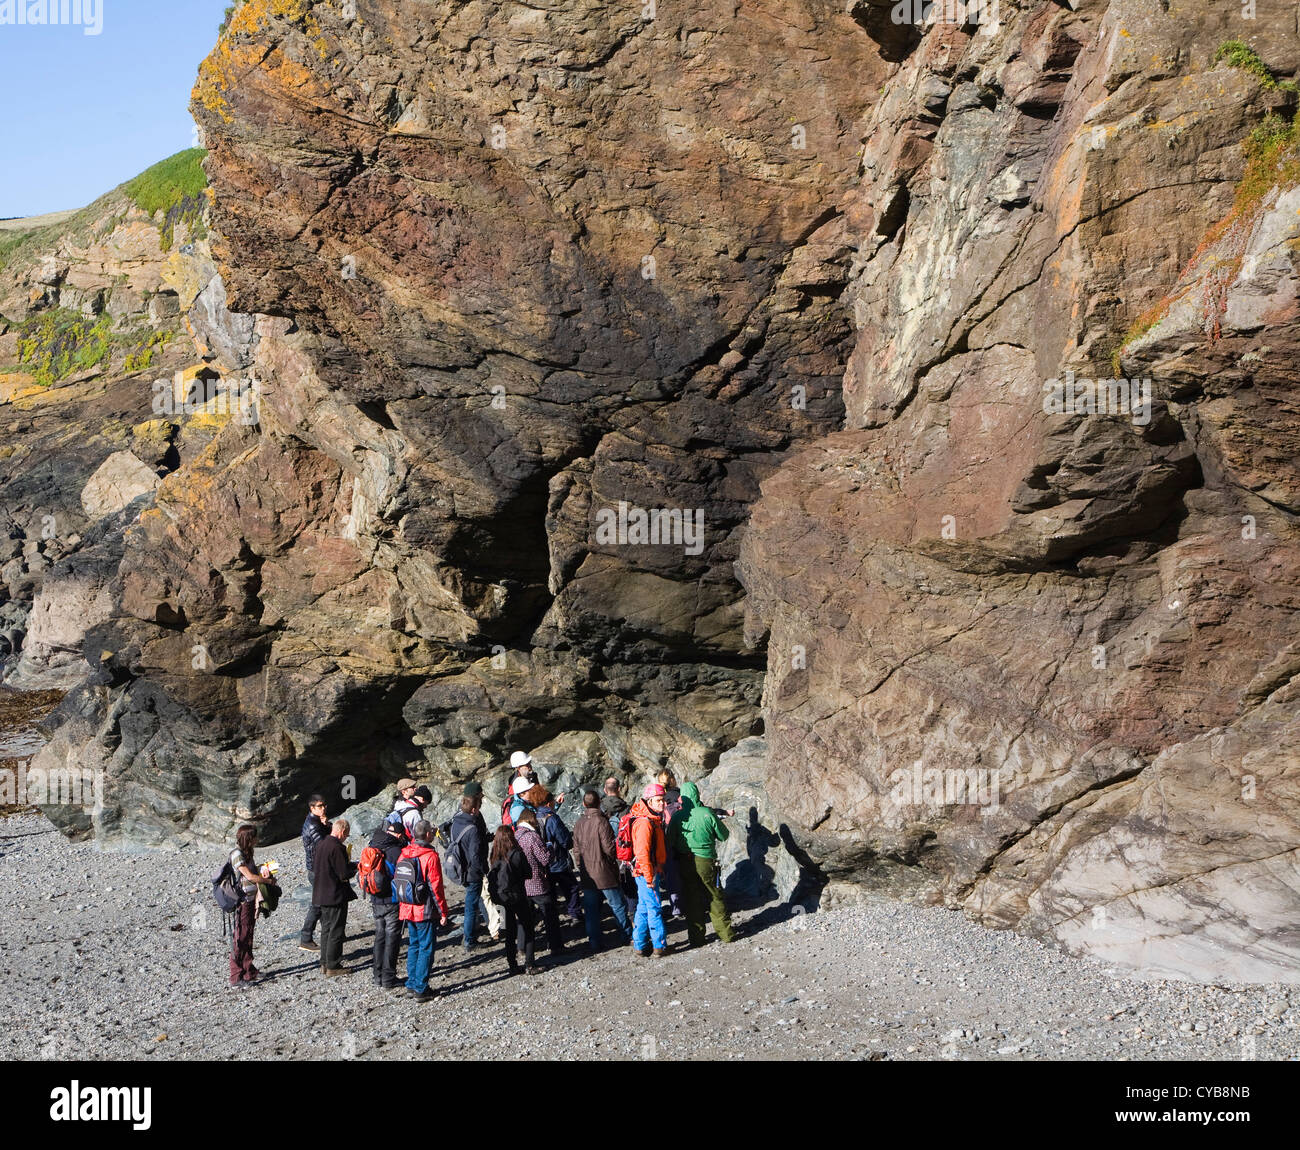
(426, 995)
(308, 945)
(640, 953)
(334, 971)
(398, 987)
(532, 970)
(658, 952)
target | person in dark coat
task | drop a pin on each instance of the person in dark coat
(390, 839)
(614, 806)
(559, 840)
(593, 846)
(315, 828)
(332, 891)
(470, 831)
(672, 804)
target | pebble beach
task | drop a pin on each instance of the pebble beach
(111, 955)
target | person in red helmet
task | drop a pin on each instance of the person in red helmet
(649, 854)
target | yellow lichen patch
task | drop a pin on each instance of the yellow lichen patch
(257, 14)
(219, 72)
(154, 430)
(215, 420)
(291, 75)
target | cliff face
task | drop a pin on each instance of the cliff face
(520, 272)
(515, 268)
(1045, 658)
(111, 319)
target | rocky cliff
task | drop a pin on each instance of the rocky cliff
(822, 290)
(113, 331)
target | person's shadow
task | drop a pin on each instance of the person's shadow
(752, 884)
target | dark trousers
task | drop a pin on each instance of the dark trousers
(313, 916)
(388, 940)
(521, 933)
(565, 886)
(333, 926)
(241, 950)
(671, 882)
(545, 906)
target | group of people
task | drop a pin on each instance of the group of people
(517, 879)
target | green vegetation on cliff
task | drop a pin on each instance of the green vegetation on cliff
(1272, 153)
(176, 187)
(60, 342)
(1239, 54)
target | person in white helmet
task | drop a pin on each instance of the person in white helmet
(523, 791)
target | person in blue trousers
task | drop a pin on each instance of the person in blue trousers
(419, 915)
(649, 854)
(593, 846)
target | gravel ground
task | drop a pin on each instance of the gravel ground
(121, 956)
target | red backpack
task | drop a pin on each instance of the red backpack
(372, 873)
(623, 840)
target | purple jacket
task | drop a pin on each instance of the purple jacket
(535, 851)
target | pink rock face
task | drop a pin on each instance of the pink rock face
(1046, 658)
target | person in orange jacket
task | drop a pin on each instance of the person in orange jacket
(649, 854)
(417, 911)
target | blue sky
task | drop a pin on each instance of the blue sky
(83, 113)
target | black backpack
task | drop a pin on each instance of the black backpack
(506, 879)
(227, 888)
(454, 863)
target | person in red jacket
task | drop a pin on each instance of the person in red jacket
(418, 916)
(649, 853)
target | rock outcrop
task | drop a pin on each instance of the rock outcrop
(511, 278)
(110, 319)
(514, 280)
(1046, 656)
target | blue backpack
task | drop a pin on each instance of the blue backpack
(409, 884)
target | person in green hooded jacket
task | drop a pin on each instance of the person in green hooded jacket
(693, 836)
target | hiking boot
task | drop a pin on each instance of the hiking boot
(532, 970)
(309, 945)
(426, 995)
(640, 953)
(334, 971)
(658, 952)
